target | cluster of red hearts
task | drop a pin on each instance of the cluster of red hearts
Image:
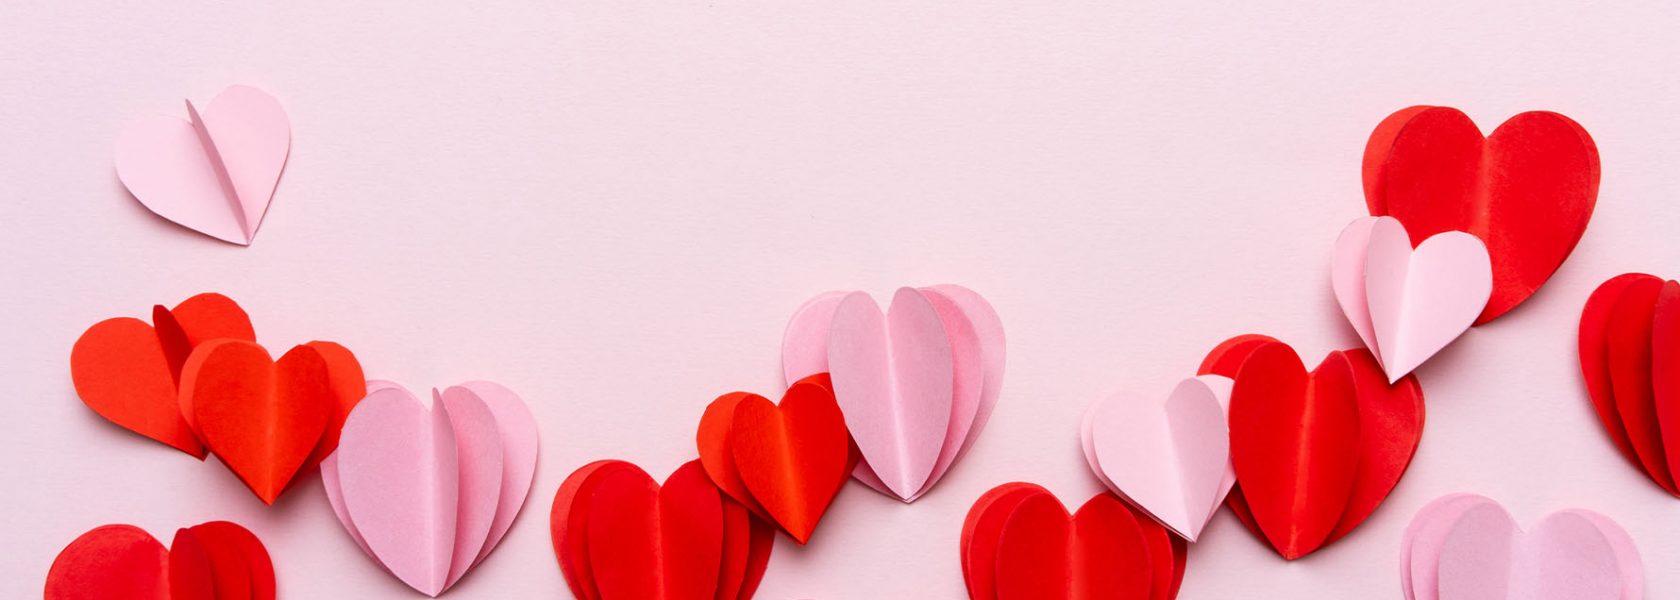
(212, 561)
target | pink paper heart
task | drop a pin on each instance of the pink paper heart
(916, 384)
(1407, 304)
(213, 173)
(1467, 547)
(1171, 459)
(429, 492)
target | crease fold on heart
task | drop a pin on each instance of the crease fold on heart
(1468, 547)
(214, 172)
(429, 491)
(1170, 459)
(1408, 303)
(916, 382)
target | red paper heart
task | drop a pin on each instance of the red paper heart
(1630, 360)
(263, 419)
(213, 561)
(127, 371)
(1315, 453)
(619, 535)
(788, 460)
(1527, 190)
(1019, 542)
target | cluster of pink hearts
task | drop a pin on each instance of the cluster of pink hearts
(1463, 229)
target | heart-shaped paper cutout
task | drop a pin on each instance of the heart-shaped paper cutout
(1527, 190)
(1630, 361)
(916, 383)
(1467, 547)
(428, 492)
(1019, 542)
(1170, 459)
(212, 561)
(618, 535)
(213, 173)
(1407, 304)
(789, 461)
(262, 417)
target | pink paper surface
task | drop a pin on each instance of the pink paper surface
(1171, 457)
(478, 447)
(1467, 547)
(520, 443)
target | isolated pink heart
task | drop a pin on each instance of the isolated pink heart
(430, 492)
(916, 384)
(1171, 459)
(213, 173)
(1407, 304)
(1467, 547)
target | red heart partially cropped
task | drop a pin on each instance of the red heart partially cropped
(621, 536)
(785, 462)
(1019, 542)
(1630, 361)
(1315, 453)
(1527, 190)
(213, 561)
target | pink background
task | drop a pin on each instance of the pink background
(613, 207)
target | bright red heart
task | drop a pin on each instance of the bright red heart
(1527, 190)
(789, 461)
(1019, 542)
(1630, 360)
(212, 561)
(263, 419)
(619, 535)
(127, 371)
(1315, 453)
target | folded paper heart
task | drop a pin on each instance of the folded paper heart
(213, 173)
(197, 381)
(619, 535)
(1467, 547)
(212, 561)
(916, 383)
(1407, 304)
(1019, 542)
(1527, 190)
(1172, 459)
(428, 492)
(1630, 361)
(784, 463)
(1314, 452)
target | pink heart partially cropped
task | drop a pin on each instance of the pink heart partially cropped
(1407, 304)
(429, 492)
(214, 172)
(1467, 547)
(1172, 458)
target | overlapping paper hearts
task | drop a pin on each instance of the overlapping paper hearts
(1171, 459)
(916, 383)
(1018, 541)
(1527, 190)
(197, 381)
(1630, 360)
(215, 172)
(1405, 303)
(428, 492)
(1467, 547)
(619, 535)
(211, 561)
(784, 463)
(1314, 452)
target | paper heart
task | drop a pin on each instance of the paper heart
(917, 384)
(212, 561)
(214, 173)
(1019, 542)
(1314, 453)
(1407, 304)
(1527, 190)
(783, 462)
(1171, 459)
(128, 371)
(1467, 547)
(618, 535)
(1630, 361)
(429, 492)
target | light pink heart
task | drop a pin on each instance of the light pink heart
(1172, 458)
(1407, 304)
(429, 492)
(1467, 547)
(214, 172)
